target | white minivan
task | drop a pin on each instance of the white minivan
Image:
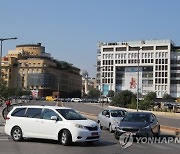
(50, 122)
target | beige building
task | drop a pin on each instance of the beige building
(36, 70)
(9, 69)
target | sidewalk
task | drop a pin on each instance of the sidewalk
(2, 122)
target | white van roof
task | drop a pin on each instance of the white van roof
(41, 106)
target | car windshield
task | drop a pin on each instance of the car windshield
(70, 114)
(137, 118)
(118, 113)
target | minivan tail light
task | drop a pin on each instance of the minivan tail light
(7, 118)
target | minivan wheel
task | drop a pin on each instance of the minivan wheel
(66, 138)
(17, 134)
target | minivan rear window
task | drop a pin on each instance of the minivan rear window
(19, 112)
(33, 113)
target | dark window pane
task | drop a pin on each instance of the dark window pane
(108, 49)
(121, 49)
(161, 47)
(147, 48)
(70, 114)
(47, 114)
(19, 112)
(33, 113)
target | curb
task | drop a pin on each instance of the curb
(168, 114)
(88, 114)
(173, 129)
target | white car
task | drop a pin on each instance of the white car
(110, 118)
(76, 100)
(50, 122)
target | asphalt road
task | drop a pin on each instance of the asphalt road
(96, 109)
(107, 145)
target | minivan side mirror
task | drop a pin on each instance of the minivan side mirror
(54, 118)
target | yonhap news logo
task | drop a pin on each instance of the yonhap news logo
(126, 140)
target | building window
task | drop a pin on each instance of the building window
(162, 74)
(156, 61)
(161, 47)
(121, 49)
(156, 67)
(108, 49)
(166, 61)
(148, 48)
(166, 67)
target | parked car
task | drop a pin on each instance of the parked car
(50, 122)
(93, 101)
(105, 99)
(67, 99)
(109, 118)
(76, 100)
(139, 124)
(50, 98)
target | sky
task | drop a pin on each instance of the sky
(71, 29)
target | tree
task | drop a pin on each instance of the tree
(151, 96)
(148, 101)
(167, 97)
(145, 104)
(110, 93)
(3, 91)
(93, 93)
(123, 99)
(6, 92)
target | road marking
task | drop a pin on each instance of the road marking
(4, 139)
(4, 136)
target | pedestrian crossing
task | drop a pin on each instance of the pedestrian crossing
(4, 137)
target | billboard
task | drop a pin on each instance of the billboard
(131, 79)
(105, 89)
(35, 93)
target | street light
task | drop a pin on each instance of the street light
(4, 39)
(138, 49)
